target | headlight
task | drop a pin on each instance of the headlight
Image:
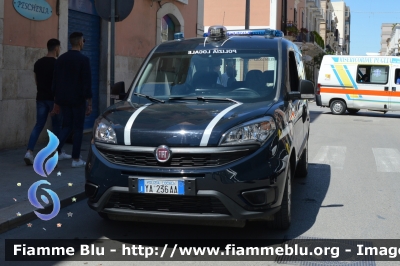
(104, 132)
(252, 132)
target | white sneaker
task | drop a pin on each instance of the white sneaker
(79, 163)
(63, 156)
(28, 158)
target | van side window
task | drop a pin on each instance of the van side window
(377, 74)
(397, 76)
(293, 74)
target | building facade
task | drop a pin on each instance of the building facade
(23, 40)
(386, 32)
(231, 14)
(344, 18)
(393, 42)
(328, 30)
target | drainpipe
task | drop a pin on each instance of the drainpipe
(247, 19)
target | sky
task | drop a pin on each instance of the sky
(367, 17)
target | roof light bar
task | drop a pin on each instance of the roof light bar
(216, 32)
(178, 36)
(258, 32)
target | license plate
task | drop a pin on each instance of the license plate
(153, 186)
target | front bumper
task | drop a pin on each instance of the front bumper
(218, 193)
(318, 100)
(236, 215)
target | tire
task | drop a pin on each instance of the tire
(302, 165)
(352, 111)
(103, 215)
(283, 217)
(338, 107)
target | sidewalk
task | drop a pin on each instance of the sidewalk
(14, 198)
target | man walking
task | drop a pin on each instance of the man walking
(44, 68)
(72, 88)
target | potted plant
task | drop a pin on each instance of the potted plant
(304, 30)
(292, 30)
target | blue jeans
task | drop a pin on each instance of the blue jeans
(43, 108)
(73, 121)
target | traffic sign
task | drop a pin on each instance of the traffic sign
(122, 9)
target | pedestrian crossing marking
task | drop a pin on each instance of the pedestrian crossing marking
(332, 155)
(387, 160)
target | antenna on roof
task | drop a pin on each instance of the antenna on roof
(223, 19)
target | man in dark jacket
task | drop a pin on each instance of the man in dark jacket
(44, 69)
(73, 94)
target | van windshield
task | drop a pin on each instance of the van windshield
(247, 75)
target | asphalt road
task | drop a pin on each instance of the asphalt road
(351, 192)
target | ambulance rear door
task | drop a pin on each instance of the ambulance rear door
(394, 104)
(372, 87)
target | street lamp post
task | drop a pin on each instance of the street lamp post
(246, 27)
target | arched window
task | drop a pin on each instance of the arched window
(167, 28)
(169, 21)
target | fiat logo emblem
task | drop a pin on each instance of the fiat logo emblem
(162, 153)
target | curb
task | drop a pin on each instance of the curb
(6, 225)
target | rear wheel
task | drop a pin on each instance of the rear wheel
(338, 107)
(352, 111)
(283, 217)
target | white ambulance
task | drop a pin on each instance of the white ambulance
(359, 82)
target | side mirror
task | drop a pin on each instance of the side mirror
(118, 91)
(306, 89)
(294, 95)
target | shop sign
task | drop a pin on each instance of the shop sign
(33, 9)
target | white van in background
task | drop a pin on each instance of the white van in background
(359, 82)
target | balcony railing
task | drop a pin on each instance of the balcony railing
(291, 23)
(305, 37)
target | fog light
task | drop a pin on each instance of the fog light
(260, 196)
(91, 190)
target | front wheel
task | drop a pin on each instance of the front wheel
(104, 216)
(302, 165)
(338, 107)
(283, 217)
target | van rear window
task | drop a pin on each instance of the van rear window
(377, 74)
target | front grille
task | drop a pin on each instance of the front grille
(166, 203)
(177, 160)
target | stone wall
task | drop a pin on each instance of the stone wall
(18, 92)
(18, 95)
(126, 68)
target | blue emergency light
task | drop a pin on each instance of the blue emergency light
(178, 36)
(217, 32)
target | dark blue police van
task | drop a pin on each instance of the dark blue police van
(211, 131)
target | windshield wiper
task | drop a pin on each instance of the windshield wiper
(203, 99)
(149, 97)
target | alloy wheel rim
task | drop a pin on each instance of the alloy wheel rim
(337, 107)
